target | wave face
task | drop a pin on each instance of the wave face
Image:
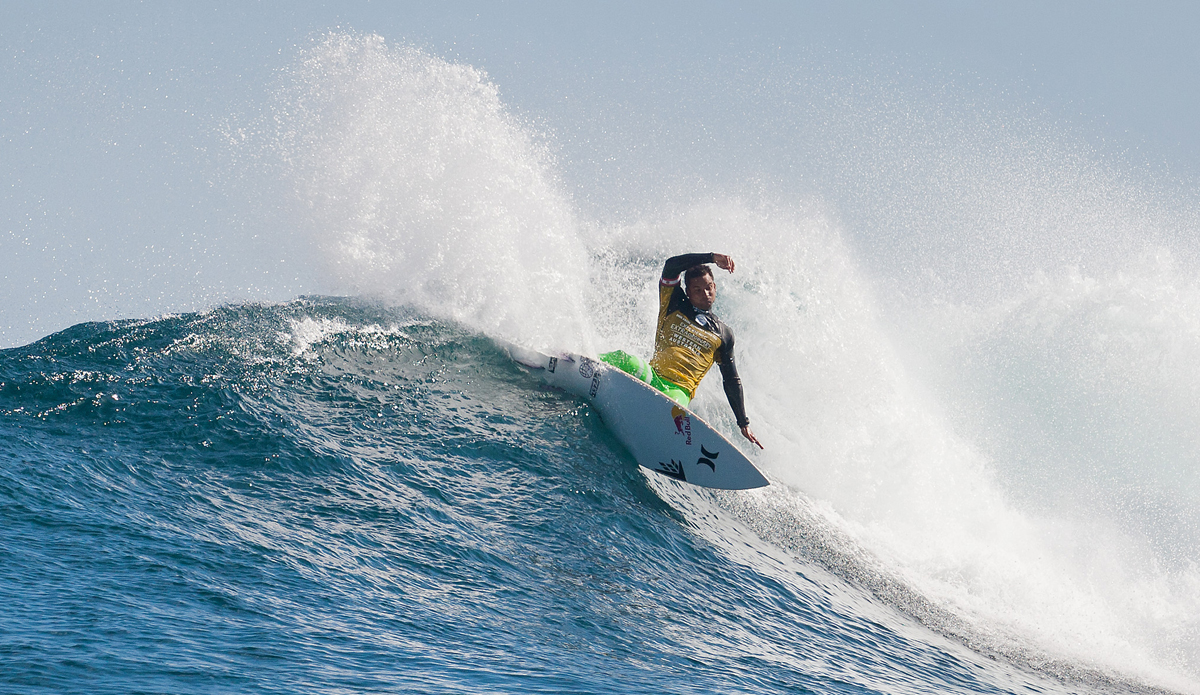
(327, 496)
(980, 420)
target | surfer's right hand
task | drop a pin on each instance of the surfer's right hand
(723, 262)
(748, 434)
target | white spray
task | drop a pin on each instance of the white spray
(421, 188)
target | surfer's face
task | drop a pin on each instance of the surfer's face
(702, 292)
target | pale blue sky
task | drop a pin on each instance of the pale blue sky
(115, 198)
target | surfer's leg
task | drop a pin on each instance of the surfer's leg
(672, 391)
(630, 364)
(641, 369)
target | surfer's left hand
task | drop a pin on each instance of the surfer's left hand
(750, 435)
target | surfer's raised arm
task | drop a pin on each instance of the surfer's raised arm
(677, 264)
(689, 337)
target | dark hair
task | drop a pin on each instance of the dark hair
(696, 271)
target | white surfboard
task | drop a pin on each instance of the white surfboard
(662, 435)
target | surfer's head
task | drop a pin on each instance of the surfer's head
(700, 287)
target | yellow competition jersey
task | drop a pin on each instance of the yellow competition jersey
(687, 341)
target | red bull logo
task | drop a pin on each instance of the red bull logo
(683, 423)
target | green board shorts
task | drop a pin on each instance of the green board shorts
(641, 369)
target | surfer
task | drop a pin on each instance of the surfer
(689, 338)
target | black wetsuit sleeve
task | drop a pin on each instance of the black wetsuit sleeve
(677, 264)
(730, 379)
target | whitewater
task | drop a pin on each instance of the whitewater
(981, 425)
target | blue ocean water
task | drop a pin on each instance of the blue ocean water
(330, 496)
